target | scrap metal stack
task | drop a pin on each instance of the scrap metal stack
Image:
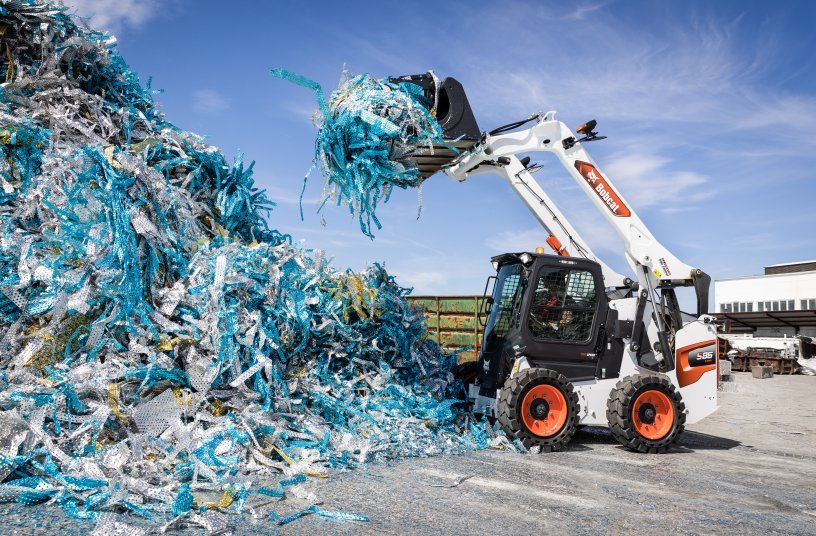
(159, 343)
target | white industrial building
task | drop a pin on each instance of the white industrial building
(781, 302)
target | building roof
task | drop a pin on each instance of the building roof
(749, 322)
(791, 267)
(764, 276)
(785, 268)
(790, 264)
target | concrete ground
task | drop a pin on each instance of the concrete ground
(750, 468)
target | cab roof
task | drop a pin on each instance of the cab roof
(515, 258)
(510, 258)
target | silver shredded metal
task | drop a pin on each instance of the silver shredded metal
(164, 353)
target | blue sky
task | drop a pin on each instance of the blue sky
(708, 107)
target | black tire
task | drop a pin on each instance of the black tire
(624, 424)
(509, 408)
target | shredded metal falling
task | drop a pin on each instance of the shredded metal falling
(367, 133)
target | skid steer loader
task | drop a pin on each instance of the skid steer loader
(568, 341)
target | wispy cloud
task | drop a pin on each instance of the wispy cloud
(209, 101)
(597, 233)
(517, 241)
(427, 282)
(442, 274)
(650, 180)
(285, 198)
(114, 15)
(598, 236)
(307, 110)
(579, 12)
(583, 10)
(691, 73)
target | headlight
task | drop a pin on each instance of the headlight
(526, 258)
(495, 265)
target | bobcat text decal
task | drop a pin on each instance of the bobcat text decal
(602, 188)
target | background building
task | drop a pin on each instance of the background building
(782, 302)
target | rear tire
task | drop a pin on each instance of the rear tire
(539, 407)
(646, 413)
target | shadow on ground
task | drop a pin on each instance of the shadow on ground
(688, 442)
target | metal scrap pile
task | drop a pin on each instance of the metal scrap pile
(163, 352)
(368, 133)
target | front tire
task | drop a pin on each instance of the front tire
(646, 413)
(539, 407)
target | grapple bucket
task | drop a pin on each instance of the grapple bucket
(454, 115)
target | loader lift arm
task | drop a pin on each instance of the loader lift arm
(656, 269)
(558, 351)
(455, 116)
(654, 266)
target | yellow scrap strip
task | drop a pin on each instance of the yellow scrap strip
(10, 71)
(226, 500)
(291, 461)
(178, 392)
(114, 395)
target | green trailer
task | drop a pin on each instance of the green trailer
(455, 322)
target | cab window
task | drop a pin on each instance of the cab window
(564, 305)
(504, 299)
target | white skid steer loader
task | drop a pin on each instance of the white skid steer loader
(568, 341)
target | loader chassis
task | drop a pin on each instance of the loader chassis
(584, 354)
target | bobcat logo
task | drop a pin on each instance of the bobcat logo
(602, 189)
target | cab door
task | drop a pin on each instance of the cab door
(505, 300)
(560, 319)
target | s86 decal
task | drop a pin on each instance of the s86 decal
(702, 356)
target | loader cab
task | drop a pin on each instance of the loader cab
(549, 309)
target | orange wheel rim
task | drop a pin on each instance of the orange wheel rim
(544, 410)
(653, 414)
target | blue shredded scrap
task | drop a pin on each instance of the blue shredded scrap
(159, 342)
(367, 132)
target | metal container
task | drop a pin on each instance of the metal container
(455, 322)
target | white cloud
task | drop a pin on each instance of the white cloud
(114, 15)
(594, 229)
(582, 11)
(692, 74)
(283, 197)
(648, 180)
(436, 274)
(206, 101)
(517, 241)
(578, 13)
(427, 282)
(596, 233)
(680, 209)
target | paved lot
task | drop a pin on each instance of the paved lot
(750, 468)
